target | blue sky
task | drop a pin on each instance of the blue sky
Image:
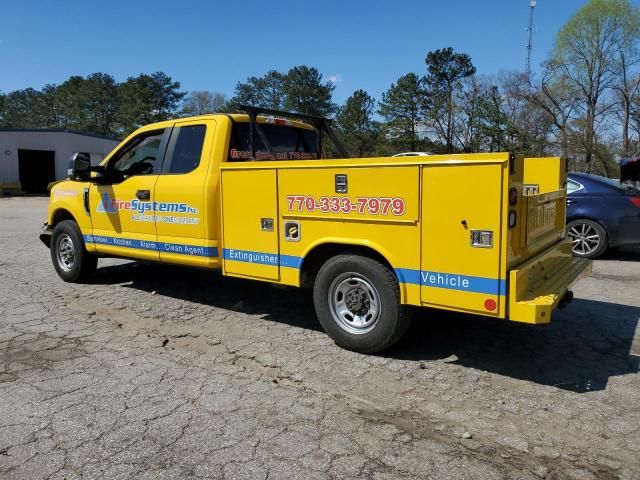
(210, 45)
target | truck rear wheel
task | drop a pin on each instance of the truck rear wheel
(68, 253)
(357, 300)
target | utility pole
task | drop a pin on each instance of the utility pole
(532, 6)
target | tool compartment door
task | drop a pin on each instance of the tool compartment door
(250, 223)
(454, 273)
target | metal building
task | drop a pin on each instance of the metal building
(32, 158)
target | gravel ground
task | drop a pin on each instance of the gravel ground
(162, 372)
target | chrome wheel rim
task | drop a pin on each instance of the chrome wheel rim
(585, 239)
(355, 303)
(65, 252)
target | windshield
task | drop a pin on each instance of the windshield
(287, 143)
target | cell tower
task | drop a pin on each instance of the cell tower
(532, 6)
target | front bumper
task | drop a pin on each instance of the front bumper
(538, 286)
(45, 236)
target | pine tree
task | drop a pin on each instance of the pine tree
(359, 132)
(403, 108)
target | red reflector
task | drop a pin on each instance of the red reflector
(635, 201)
(513, 196)
(490, 304)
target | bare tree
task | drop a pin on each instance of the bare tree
(627, 89)
(555, 96)
(586, 55)
(201, 102)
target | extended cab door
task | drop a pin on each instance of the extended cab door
(122, 213)
(187, 197)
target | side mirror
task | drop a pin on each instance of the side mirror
(80, 166)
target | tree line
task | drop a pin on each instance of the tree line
(583, 105)
(94, 104)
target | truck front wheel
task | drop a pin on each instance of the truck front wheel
(70, 258)
(357, 300)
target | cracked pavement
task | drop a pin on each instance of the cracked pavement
(161, 372)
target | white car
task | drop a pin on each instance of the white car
(413, 154)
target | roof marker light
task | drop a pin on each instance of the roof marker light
(276, 121)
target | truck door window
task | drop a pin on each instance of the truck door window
(185, 148)
(287, 142)
(141, 156)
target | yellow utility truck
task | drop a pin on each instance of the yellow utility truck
(253, 195)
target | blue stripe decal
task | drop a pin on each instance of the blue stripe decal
(195, 250)
(261, 258)
(290, 261)
(452, 281)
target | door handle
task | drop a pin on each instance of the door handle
(569, 201)
(143, 194)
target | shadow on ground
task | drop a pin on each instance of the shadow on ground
(585, 345)
(287, 305)
(626, 254)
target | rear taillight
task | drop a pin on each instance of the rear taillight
(513, 196)
(635, 201)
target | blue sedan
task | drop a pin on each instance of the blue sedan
(601, 214)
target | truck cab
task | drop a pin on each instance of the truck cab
(255, 196)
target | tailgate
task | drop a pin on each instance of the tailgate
(540, 207)
(536, 286)
(544, 219)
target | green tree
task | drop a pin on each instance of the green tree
(146, 99)
(2, 104)
(26, 109)
(300, 90)
(87, 104)
(402, 107)
(50, 109)
(493, 122)
(101, 93)
(468, 133)
(355, 123)
(201, 102)
(587, 54)
(305, 92)
(446, 69)
(266, 91)
(66, 103)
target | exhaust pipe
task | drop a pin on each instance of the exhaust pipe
(566, 299)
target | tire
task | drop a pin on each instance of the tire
(69, 256)
(589, 238)
(357, 300)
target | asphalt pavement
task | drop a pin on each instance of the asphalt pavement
(153, 371)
